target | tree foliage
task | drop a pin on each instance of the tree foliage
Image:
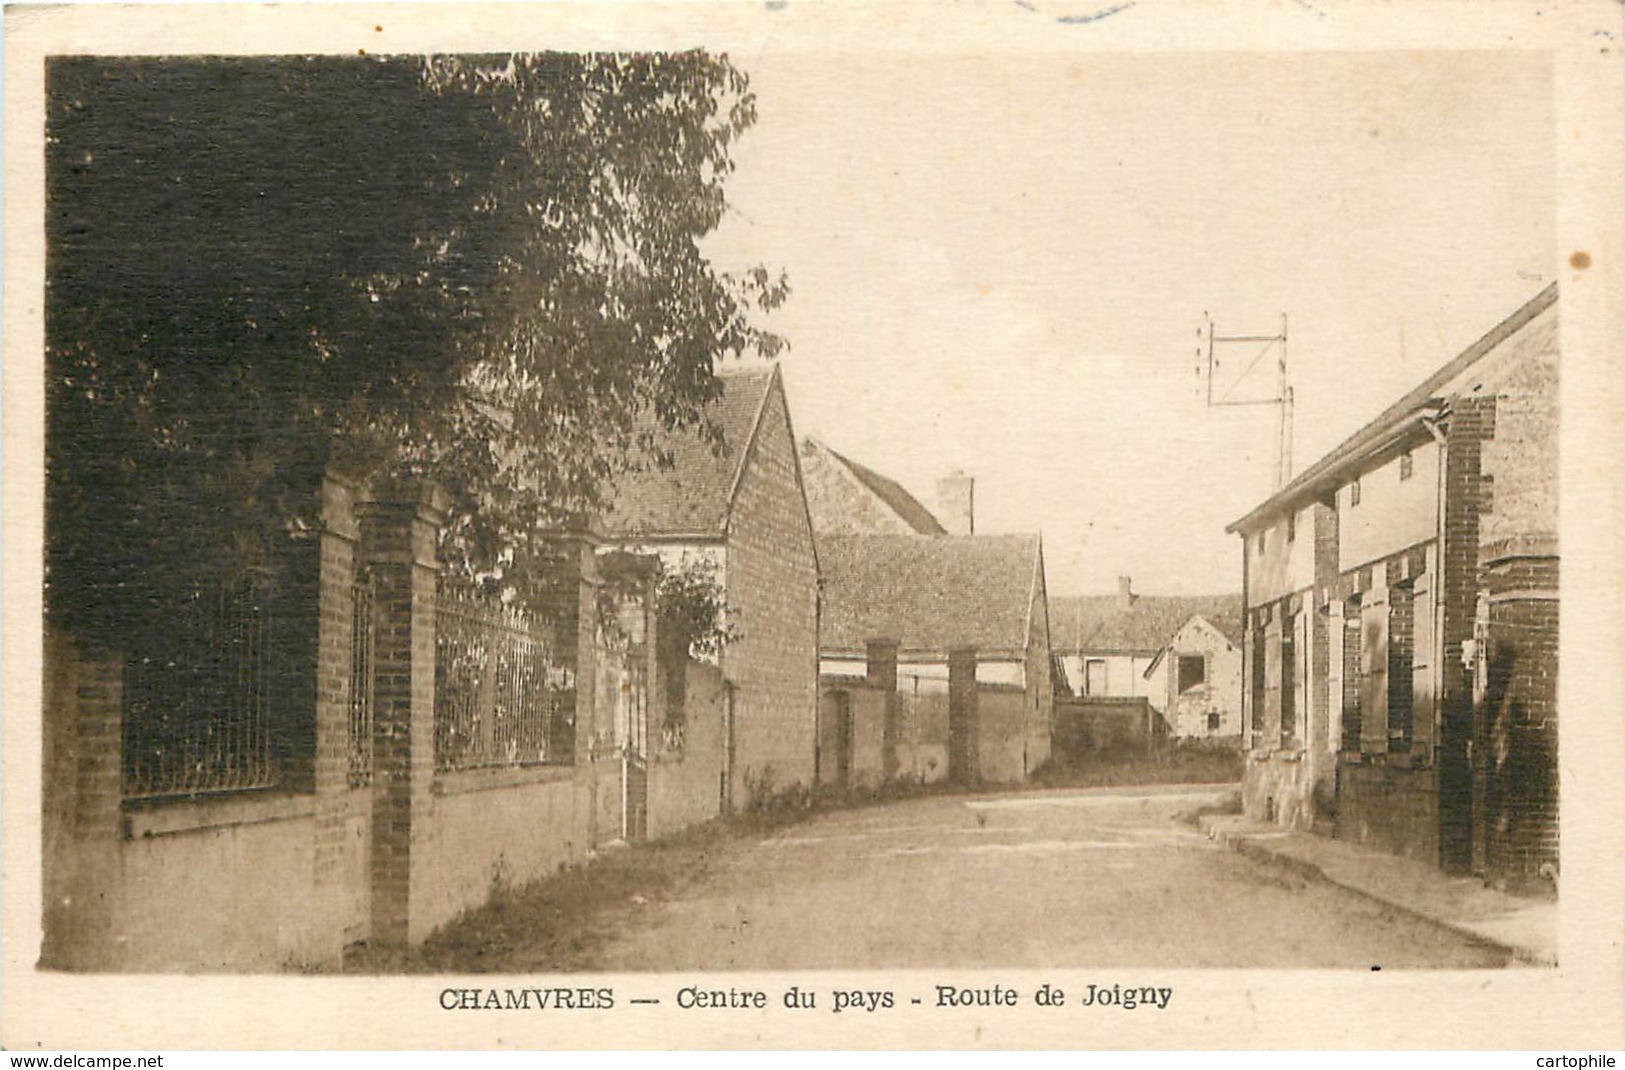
(481, 269)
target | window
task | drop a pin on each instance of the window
(1354, 493)
(1262, 535)
(1192, 671)
(1405, 466)
(1213, 722)
(1291, 527)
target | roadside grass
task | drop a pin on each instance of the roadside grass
(558, 921)
(555, 923)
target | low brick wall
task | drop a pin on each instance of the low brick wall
(1092, 726)
(487, 829)
(236, 896)
(1390, 808)
(866, 703)
(1004, 749)
(213, 883)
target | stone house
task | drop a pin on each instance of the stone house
(935, 657)
(741, 512)
(1194, 681)
(1106, 643)
(1401, 614)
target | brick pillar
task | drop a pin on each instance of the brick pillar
(1462, 745)
(881, 672)
(571, 604)
(1518, 707)
(964, 729)
(338, 537)
(83, 793)
(399, 527)
(1321, 742)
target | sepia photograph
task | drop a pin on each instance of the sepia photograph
(790, 524)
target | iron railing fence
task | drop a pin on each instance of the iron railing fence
(197, 714)
(493, 702)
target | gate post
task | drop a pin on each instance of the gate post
(337, 539)
(964, 731)
(400, 524)
(571, 604)
(881, 670)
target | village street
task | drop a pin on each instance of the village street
(1102, 877)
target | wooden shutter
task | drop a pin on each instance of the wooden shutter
(1374, 670)
(1424, 666)
(1334, 676)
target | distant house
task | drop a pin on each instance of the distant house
(847, 498)
(741, 512)
(1194, 681)
(1402, 618)
(958, 628)
(1106, 643)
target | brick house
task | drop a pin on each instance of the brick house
(1194, 681)
(1400, 676)
(935, 657)
(741, 512)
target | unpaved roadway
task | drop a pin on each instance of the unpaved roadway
(1104, 877)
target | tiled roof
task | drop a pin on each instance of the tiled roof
(930, 593)
(898, 500)
(693, 496)
(1099, 623)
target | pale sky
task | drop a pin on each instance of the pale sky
(999, 264)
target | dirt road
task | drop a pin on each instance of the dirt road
(1085, 878)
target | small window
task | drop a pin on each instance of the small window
(1192, 671)
(1213, 723)
(1405, 466)
(1291, 527)
(1263, 535)
(1354, 493)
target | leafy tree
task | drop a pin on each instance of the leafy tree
(481, 269)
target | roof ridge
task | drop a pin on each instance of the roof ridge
(750, 443)
(884, 487)
(1409, 402)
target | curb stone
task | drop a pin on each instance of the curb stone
(1249, 847)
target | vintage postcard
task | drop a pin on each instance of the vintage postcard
(1039, 524)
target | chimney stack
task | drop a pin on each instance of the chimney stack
(956, 503)
(1125, 593)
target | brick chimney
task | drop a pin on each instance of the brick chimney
(956, 503)
(1125, 592)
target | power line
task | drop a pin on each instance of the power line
(1282, 398)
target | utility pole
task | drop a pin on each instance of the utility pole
(1208, 349)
